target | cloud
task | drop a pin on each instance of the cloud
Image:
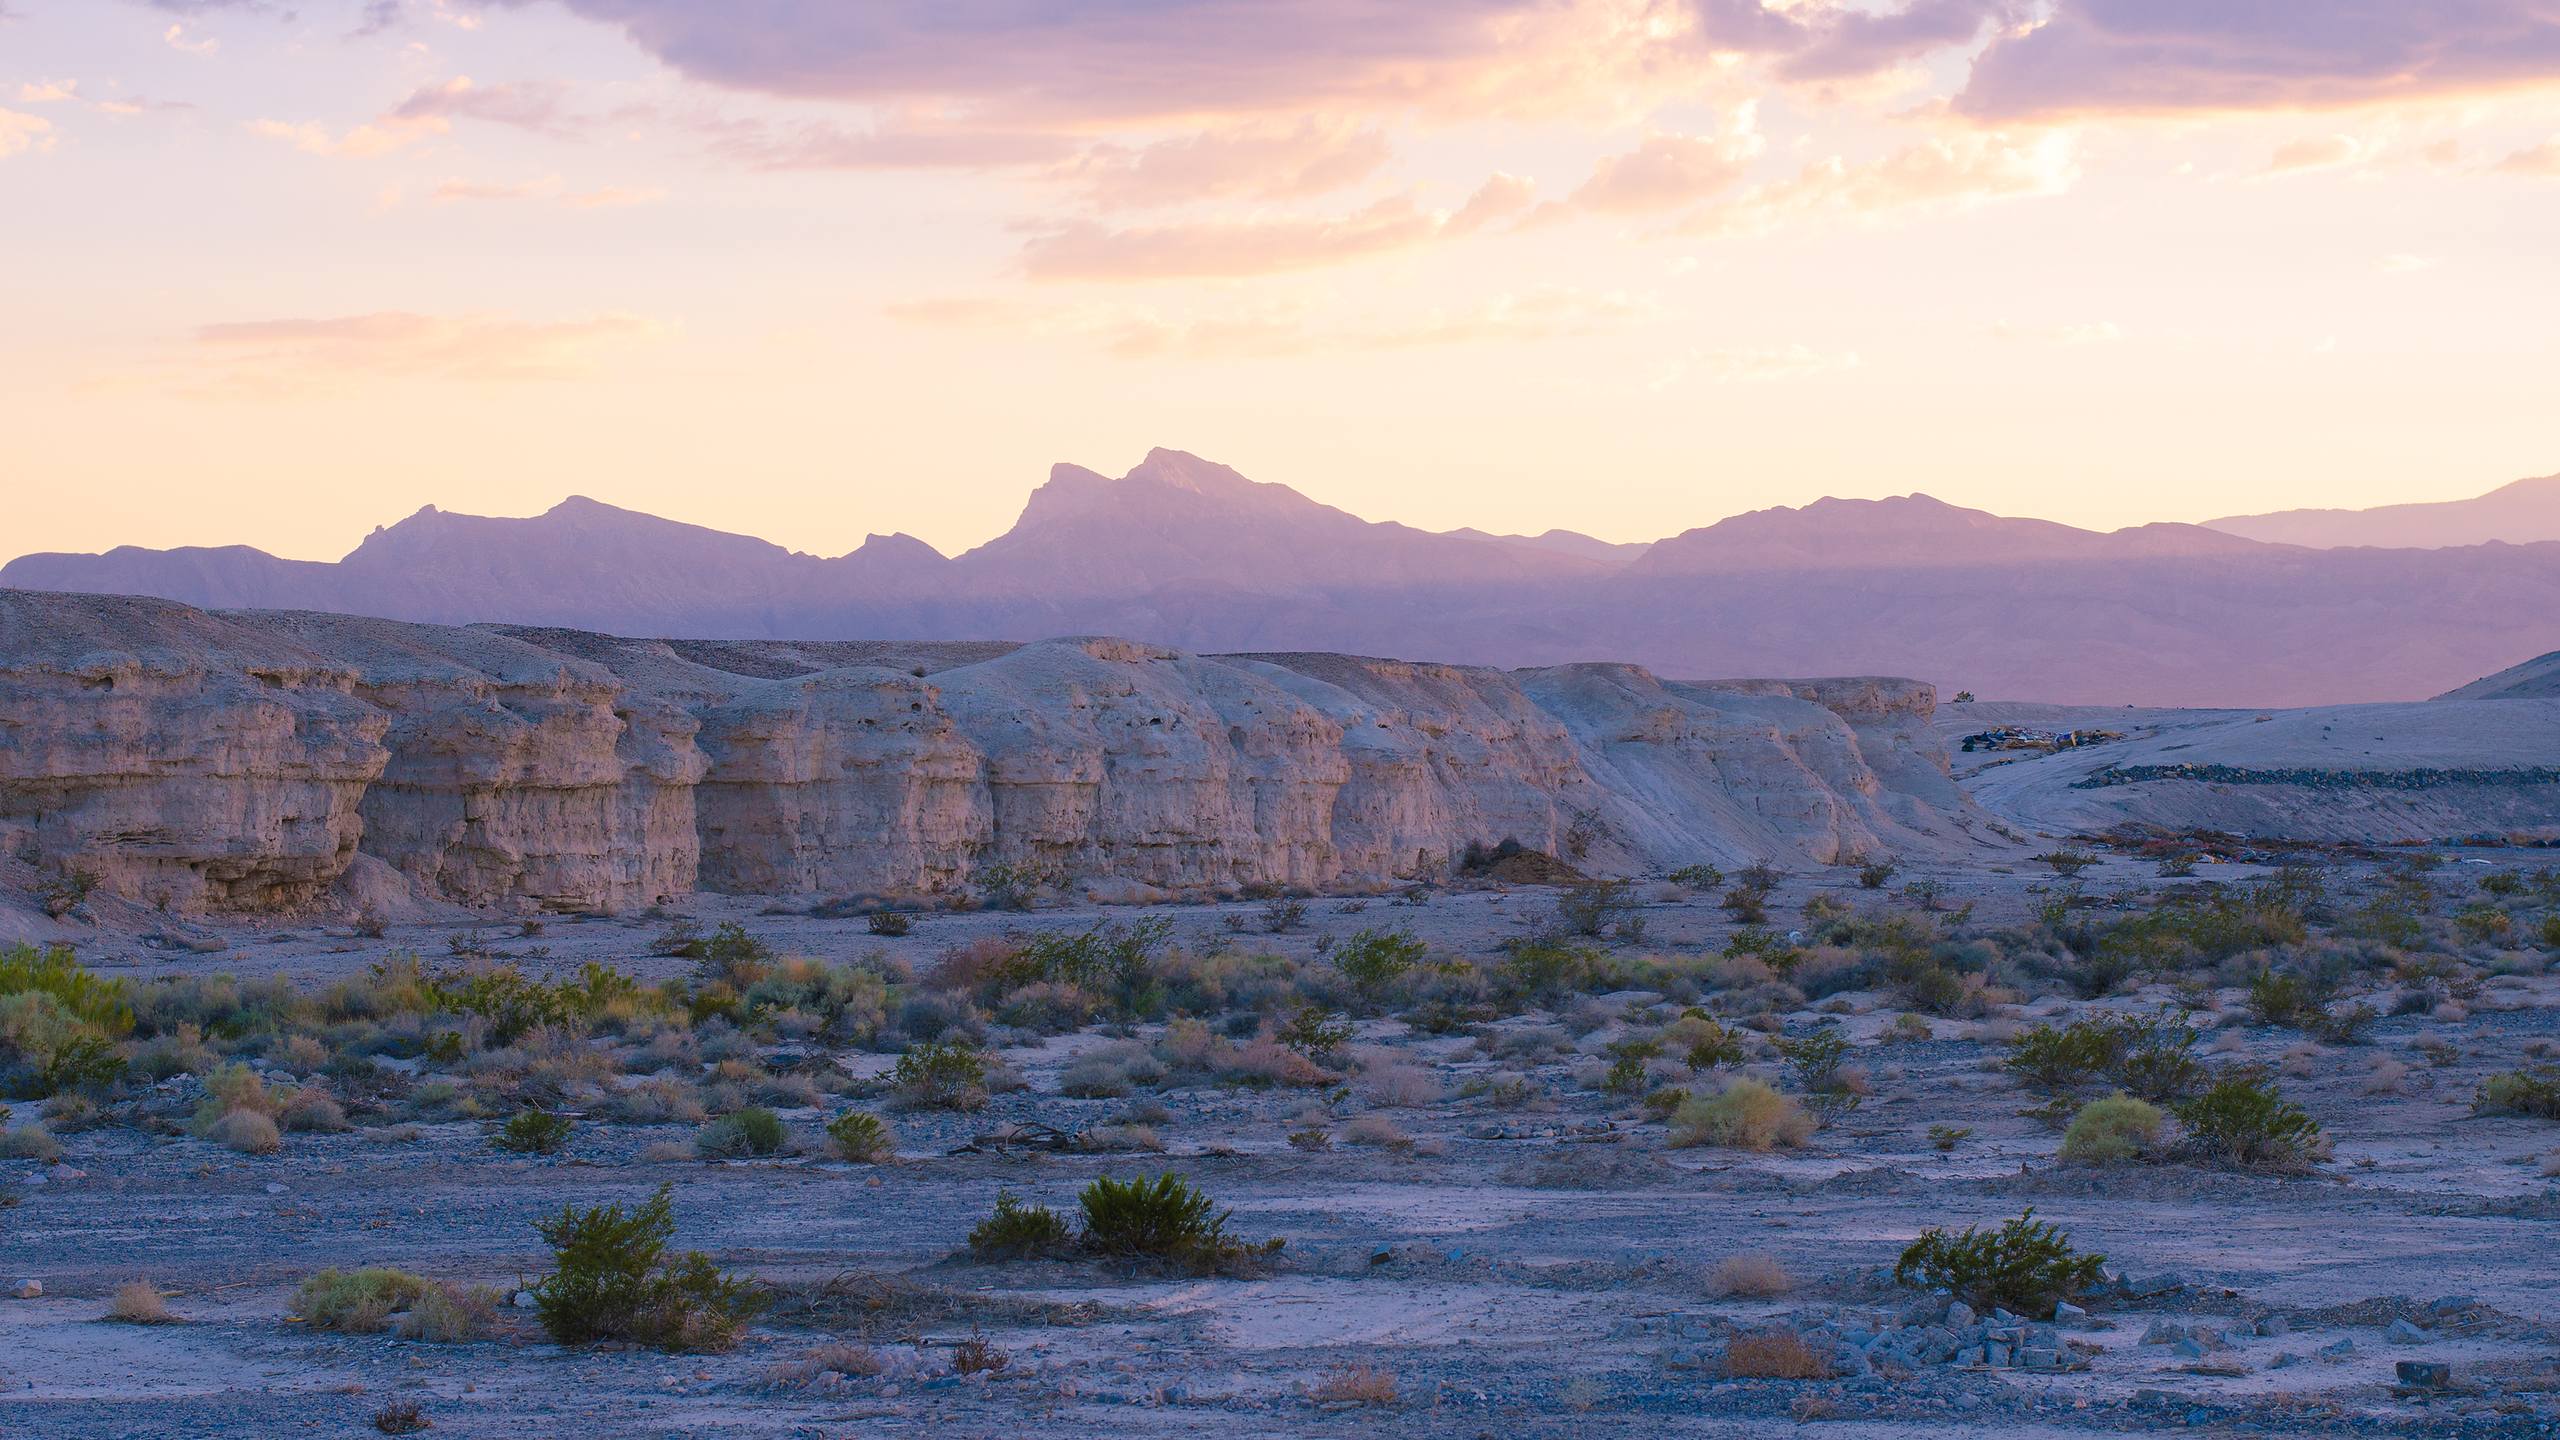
(1670, 172)
(176, 38)
(380, 137)
(2541, 161)
(2320, 152)
(46, 92)
(292, 354)
(2405, 264)
(1825, 40)
(1291, 328)
(822, 146)
(1257, 245)
(1260, 162)
(549, 188)
(528, 105)
(1956, 172)
(2165, 56)
(1754, 366)
(2102, 332)
(21, 132)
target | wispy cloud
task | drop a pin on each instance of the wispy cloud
(1955, 172)
(1289, 328)
(2539, 161)
(540, 106)
(1755, 366)
(293, 354)
(356, 142)
(21, 132)
(1258, 162)
(550, 188)
(1262, 245)
(2098, 332)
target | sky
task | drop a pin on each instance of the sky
(280, 271)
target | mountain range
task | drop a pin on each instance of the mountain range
(1188, 553)
(2520, 514)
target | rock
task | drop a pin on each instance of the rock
(263, 760)
(523, 1300)
(2338, 1349)
(2402, 1332)
(2452, 1304)
(1959, 1316)
(2428, 1374)
(2274, 1325)
(1995, 1354)
(29, 1289)
(2164, 1332)
(2166, 1283)
(2190, 1349)
(2067, 1313)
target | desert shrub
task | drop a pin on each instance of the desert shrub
(1355, 1385)
(862, 1137)
(375, 1299)
(2242, 1121)
(1592, 907)
(2534, 1092)
(1163, 1219)
(534, 1132)
(59, 1023)
(31, 1142)
(2146, 1056)
(250, 1132)
(941, 1075)
(1543, 967)
(2055, 1060)
(1283, 913)
(2068, 863)
(1948, 1137)
(1697, 877)
(402, 1417)
(2278, 997)
(139, 1302)
(2027, 1265)
(613, 1279)
(1701, 1043)
(1015, 1231)
(2111, 1131)
(1747, 905)
(1815, 1059)
(752, 1131)
(1874, 874)
(1774, 1355)
(889, 924)
(1315, 1034)
(1373, 959)
(2483, 924)
(1749, 1276)
(1109, 959)
(850, 1003)
(1746, 1115)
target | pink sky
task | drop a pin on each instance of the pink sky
(282, 272)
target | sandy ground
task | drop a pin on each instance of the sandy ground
(1537, 1271)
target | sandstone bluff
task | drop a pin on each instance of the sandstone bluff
(277, 760)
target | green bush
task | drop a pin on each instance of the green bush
(613, 1279)
(941, 1075)
(1015, 1231)
(2112, 1131)
(862, 1137)
(534, 1132)
(2027, 1266)
(1873, 874)
(2534, 1092)
(752, 1131)
(1372, 960)
(2242, 1121)
(372, 1300)
(1161, 1219)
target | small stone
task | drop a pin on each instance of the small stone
(2432, 1374)
(2404, 1333)
(29, 1289)
(2188, 1349)
(1996, 1354)
(1959, 1315)
(2164, 1332)
(2451, 1303)
(274, 1189)
(2275, 1325)
(2039, 1359)
(2066, 1312)
(523, 1300)
(2338, 1350)
(2283, 1359)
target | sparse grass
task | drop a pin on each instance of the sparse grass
(370, 1301)
(250, 1132)
(1016, 1231)
(1358, 1384)
(1751, 1275)
(1774, 1355)
(139, 1302)
(401, 1417)
(753, 1131)
(1745, 1115)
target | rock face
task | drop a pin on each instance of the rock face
(249, 760)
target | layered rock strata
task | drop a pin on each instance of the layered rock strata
(246, 760)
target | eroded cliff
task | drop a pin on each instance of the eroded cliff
(247, 760)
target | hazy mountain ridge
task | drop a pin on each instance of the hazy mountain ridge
(2523, 513)
(1185, 552)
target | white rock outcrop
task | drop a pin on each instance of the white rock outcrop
(245, 760)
